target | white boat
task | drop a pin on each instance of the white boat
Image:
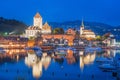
(63, 50)
(107, 67)
(37, 50)
(104, 60)
(66, 48)
(92, 49)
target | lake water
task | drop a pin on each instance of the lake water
(27, 66)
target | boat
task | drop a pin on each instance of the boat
(92, 49)
(2, 50)
(63, 50)
(108, 67)
(37, 50)
(104, 60)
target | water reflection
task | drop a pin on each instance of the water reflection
(12, 55)
(70, 57)
(37, 63)
(15, 51)
(44, 65)
(86, 59)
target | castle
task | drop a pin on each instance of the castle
(37, 27)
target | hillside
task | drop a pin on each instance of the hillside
(17, 27)
(11, 25)
(98, 28)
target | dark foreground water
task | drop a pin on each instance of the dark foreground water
(50, 67)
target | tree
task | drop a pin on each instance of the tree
(58, 31)
(98, 37)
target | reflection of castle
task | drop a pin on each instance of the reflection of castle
(87, 59)
(33, 61)
(37, 28)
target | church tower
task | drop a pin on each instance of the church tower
(38, 20)
(82, 27)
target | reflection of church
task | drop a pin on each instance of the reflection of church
(36, 63)
(87, 59)
(86, 33)
(37, 27)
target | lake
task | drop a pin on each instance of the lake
(26, 65)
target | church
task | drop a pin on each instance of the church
(37, 27)
(86, 33)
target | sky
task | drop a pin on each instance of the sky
(105, 11)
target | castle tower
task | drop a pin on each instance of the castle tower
(38, 20)
(82, 27)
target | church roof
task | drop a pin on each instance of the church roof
(37, 15)
(88, 33)
(87, 30)
(46, 27)
(82, 23)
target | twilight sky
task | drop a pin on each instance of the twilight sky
(106, 11)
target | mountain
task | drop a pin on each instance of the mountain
(98, 28)
(17, 27)
(11, 25)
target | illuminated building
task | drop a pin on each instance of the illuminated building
(37, 27)
(71, 32)
(86, 33)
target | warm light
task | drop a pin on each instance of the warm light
(30, 43)
(87, 59)
(37, 70)
(92, 57)
(81, 52)
(46, 62)
(17, 57)
(81, 62)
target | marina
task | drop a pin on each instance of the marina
(77, 66)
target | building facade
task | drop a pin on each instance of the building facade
(86, 33)
(71, 32)
(37, 27)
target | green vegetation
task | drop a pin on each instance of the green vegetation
(58, 31)
(11, 26)
(99, 38)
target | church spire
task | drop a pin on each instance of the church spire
(82, 23)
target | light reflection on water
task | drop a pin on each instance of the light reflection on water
(50, 65)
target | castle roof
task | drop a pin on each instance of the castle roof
(46, 27)
(33, 28)
(37, 15)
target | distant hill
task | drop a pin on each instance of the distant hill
(17, 27)
(11, 25)
(98, 28)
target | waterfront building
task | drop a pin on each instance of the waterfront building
(58, 39)
(70, 32)
(37, 27)
(86, 33)
(112, 40)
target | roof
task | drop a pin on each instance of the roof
(82, 23)
(90, 33)
(46, 26)
(33, 28)
(37, 15)
(87, 30)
